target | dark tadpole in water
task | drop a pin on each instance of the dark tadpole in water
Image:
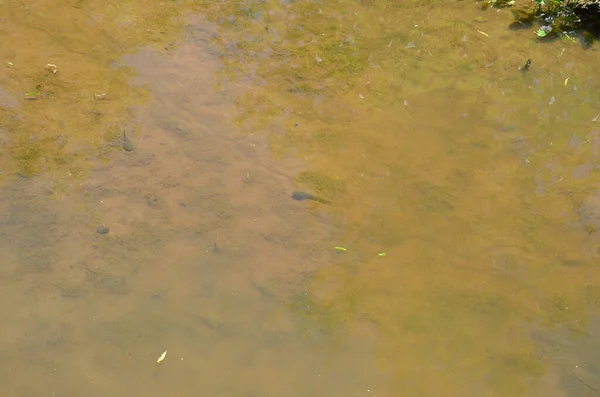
(307, 196)
(127, 145)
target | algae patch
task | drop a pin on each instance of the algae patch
(64, 78)
(321, 184)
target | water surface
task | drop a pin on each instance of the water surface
(462, 196)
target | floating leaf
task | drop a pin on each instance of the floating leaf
(162, 357)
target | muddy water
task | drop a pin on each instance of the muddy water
(462, 198)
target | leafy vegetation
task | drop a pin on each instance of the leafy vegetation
(557, 18)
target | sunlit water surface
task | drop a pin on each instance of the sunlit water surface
(457, 253)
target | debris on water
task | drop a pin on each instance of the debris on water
(31, 96)
(52, 68)
(127, 145)
(102, 230)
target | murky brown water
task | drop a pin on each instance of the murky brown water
(463, 192)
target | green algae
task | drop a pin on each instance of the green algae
(81, 94)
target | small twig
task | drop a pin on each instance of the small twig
(584, 382)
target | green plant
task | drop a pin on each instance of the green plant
(557, 18)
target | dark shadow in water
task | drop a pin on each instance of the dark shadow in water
(575, 358)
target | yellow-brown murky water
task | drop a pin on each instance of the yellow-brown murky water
(463, 199)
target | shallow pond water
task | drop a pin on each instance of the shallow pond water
(149, 153)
